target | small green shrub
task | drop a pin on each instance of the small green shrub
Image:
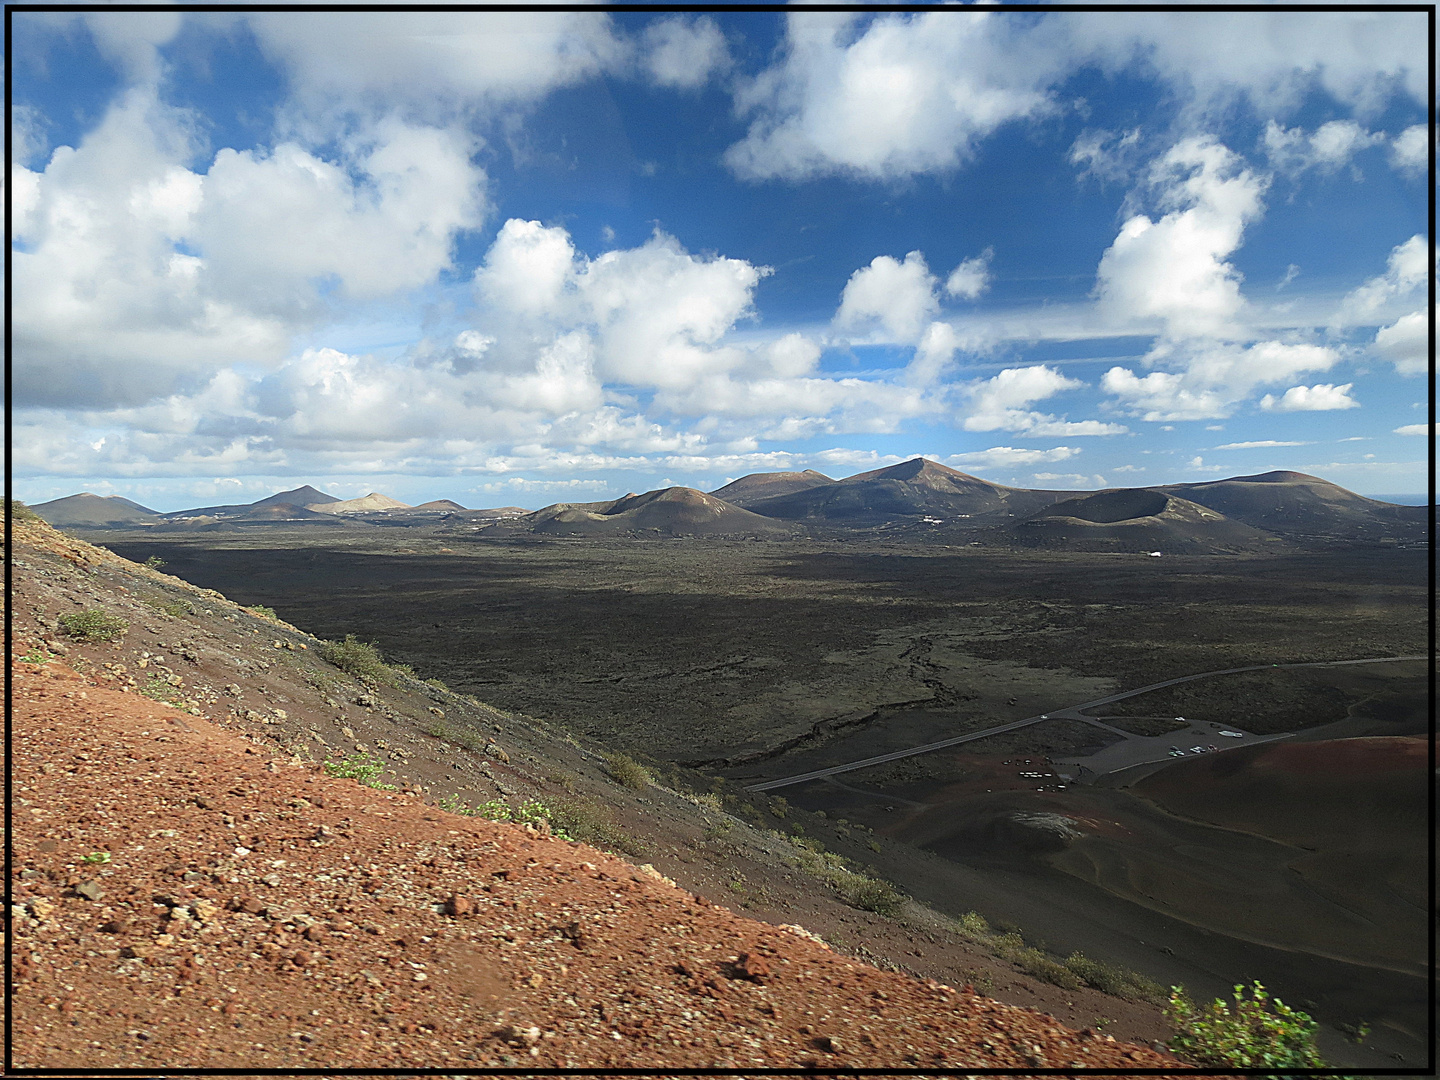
(358, 658)
(1116, 981)
(1248, 1036)
(779, 807)
(457, 734)
(751, 815)
(578, 820)
(360, 767)
(155, 562)
(586, 821)
(867, 894)
(973, 924)
(174, 608)
(403, 669)
(627, 772)
(454, 804)
(531, 811)
(158, 688)
(93, 624)
(1034, 962)
(263, 611)
(437, 684)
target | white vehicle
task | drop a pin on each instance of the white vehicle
(1197, 749)
(1233, 734)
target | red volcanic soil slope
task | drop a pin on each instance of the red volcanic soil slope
(184, 899)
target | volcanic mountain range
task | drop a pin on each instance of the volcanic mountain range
(916, 498)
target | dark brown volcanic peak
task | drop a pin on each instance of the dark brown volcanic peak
(756, 486)
(296, 498)
(680, 502)
(1293, 503)
(301, 496)
(1139, 519)
(1121, 504)
(1278, 476)
(919, 471)
(439, 504)
(677, 511)
(88, 509)
(909, 490)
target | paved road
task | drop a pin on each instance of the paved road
(1071, 712)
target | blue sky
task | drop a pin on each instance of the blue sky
(538, 257)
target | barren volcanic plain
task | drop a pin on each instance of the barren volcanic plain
(759, 660)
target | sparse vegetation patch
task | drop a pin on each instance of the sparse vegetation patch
(1116, 981)
(1006, 942)
(360, 659)
(627, 772)
(93, 624)
(19, 512)
(361, 767)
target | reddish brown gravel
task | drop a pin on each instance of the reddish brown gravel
(184, 899)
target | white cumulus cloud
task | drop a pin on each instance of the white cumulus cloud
(1410, 151)
(1322, 397)
(1213, 378)
(892, 298)
(1406, 343)
(1327, 148)
(1171, 274)
(903, 94)
(889, 97)
(1406, 270)
(682, 52)
(972, 277)
(1000, 404)
(141, 275)
(436, 60)
(998, 457)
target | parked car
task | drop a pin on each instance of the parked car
(1233, 734)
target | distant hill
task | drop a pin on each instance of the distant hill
(757, 486)
(373, 501)
(1294, 504)
(438, 504)
(913, 489)
(676, 511)
(239, 517)
(86, 509)
(1138, 519)
(295, 498)
(301, 496)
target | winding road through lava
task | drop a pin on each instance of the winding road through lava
(1140, 746)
